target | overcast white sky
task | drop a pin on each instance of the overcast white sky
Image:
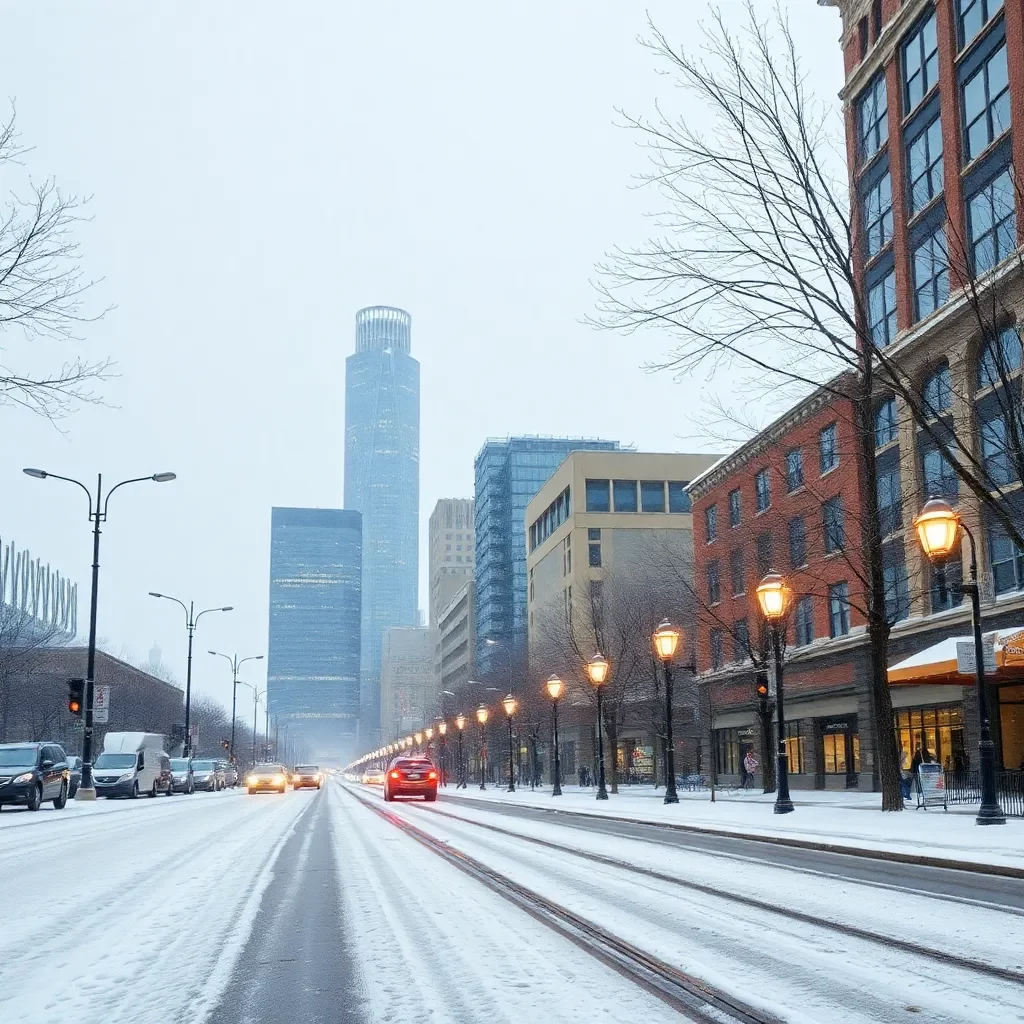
(260, 171)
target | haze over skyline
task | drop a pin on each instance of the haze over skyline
(258, 175)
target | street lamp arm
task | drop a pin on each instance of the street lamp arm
(70, 480)
(167, 597)
(252, 657)
(195, 622)
(133, 480)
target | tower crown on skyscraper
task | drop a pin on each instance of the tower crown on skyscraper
(383, 327)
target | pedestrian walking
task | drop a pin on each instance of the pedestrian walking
(750, 766)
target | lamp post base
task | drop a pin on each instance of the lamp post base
(671, 797)
(989, 814)
(557, 791)
(85, 794)
(602, 794)
(784, 806)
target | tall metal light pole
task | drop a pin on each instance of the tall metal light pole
(597, 670)
(666, 640)
(97, 515)
(938, 527)
(775, 597)
(460, 724)
(235, 664)
(481, 717)
(555, 687)
(509, 704)
(442, 728)
(191, 621)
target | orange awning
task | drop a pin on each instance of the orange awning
(937, 663)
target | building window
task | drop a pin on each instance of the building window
(973, 15)
(986, 104)
(804, 621)
(882, 311)
(872, 118)
(828, 449)
(678, 496)
(939, 477)
(862, 36)
(762, 490)
(938, 392)
(594, 553)
(734, 507)
(924, 165)
(931, 274)
(885, 423)
(992, 214)
(878, 215)
(897, 592)
(832, 521)
(794, 469)
(593, 533)
(1007, 561)
(947, 582)
(890, 503)
(836, 760)
(711, 522)
(714, 588)
(597, 496)
(797, 542)
(795, 755)
(624, 493)
(738, 572)
(740, 640)
(939, 730)
(717, 649)
(727, 751)
(920, 63)
(839, 609)
(999, 359)
(995, 450)
(652, 495)
(764, 555)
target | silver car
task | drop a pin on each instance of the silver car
(182, 780)
(206, 776)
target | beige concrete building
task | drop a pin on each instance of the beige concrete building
(407, 681)
(456, 627)
(451, 553)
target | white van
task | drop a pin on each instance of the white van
(133, 763)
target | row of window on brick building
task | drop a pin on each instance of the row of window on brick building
(984, 118)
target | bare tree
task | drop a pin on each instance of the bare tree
(43, 289)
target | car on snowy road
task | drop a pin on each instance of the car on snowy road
(373, 777)
(204, 776)
(411, 776)
(306, 776)
(74, 775)
(31, 773)
(182, 779)
(267, 778)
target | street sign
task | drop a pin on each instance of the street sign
(965, 662)
(100, 703)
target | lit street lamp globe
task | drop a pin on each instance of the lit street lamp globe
(597, 669)
(774, 597)
(481, 715)
(509, 704)
(460, 722)
(666, 640)
(938, 527)
(555, 687)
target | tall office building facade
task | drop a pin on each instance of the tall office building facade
(313, 666)
(508, 473)
(382, 481)
(451, 551)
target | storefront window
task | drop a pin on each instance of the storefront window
(1011, 725)
(840, 748)
(835, 753)
(727, 751)
(795, 749)
(939, 731)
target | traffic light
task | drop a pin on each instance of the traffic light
(76, 696)
(225, 744)
(762, 687)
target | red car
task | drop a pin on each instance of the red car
(411, 776)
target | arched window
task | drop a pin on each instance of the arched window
(938, 392)
(885, 422)
(1000, 358)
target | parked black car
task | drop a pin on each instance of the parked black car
(33, 772)
(74, 775)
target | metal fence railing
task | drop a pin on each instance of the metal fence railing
(964, 787)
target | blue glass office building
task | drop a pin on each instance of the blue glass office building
(382, 481)
(508, 474)
(314, 641)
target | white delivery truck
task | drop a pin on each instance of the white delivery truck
(132, 763)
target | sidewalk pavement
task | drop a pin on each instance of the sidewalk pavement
(832, 819)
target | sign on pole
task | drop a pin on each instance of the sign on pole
(932, 782)
(101, 703)
(966, 664)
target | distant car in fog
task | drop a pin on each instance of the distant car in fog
(205, 776)
(306, 776)
(264, 778)
(373, 777)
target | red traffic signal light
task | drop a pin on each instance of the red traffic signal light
(762, 688)
(76, 696)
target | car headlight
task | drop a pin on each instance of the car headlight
(27, 777)
(125, 777)
(278, 780)
(252, 780)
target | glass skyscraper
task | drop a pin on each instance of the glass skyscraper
(314, 641)
(382, 481)
(508, 474)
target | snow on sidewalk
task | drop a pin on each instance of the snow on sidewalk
(848, 820)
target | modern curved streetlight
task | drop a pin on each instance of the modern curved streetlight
(235, 664)
(97, 515)
(938, 529)
(191, 621)
(509, 704)
(481, 717)
(775, 597)
(597, 671)
(555, 686)
(665, 640)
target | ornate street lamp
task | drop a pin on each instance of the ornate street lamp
(938, 528)
(509, 704)
(597, 670)
(481, 717)
(442, 728)
(555, 687)
(460, 724)
(775, 597)
(666, 640)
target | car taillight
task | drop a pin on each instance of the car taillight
(432, 775)
(395, 775)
